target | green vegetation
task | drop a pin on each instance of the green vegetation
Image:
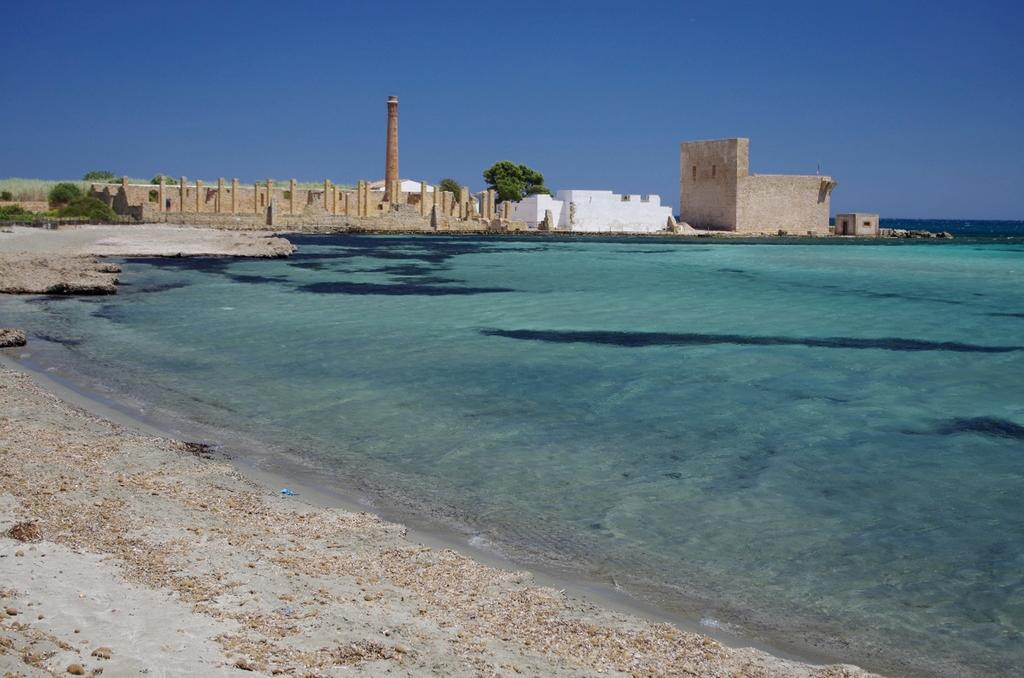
(34, 189)
(86, 207)
(6, 195)
(14, 213)
(101, 176)
(64, 194)
(449, 185)
(514, 182)
(167, 180)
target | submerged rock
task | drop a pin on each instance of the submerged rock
(11, 337)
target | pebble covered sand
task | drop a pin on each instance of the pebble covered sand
(124, 553)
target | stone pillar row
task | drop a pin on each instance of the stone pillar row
(335, 200)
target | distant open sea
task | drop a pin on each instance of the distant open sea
(816, 443)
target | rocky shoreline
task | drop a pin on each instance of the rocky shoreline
(64, 261)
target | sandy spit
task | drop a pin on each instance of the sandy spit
(63, 261)
(114, 543)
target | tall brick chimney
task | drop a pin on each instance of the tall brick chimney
(391, 164)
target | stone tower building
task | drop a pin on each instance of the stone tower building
(391, 161)
(718, 192)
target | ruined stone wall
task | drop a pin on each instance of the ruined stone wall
(709, 173)
(229, 204)
(768, 203)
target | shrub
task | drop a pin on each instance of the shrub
(154, 196)
(6, 195)
(167, 180)
(100, 176)
(63, 194)
(87, 207)
(14, 212)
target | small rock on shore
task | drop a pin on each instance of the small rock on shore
(11, 337)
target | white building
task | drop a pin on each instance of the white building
(595, 212)
(531, 209)
(408, 186)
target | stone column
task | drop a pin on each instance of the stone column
(199, 201)
(234, 195)
(391, 161)
(219, 204)
(291, 199)
(548, 223)
(181, 194)
(256, 197)
(327, 199)
(423, 198)
(124, 185)
(446, 203)
(361, 199)
(270, 192)
(463, 203)
(160, 193)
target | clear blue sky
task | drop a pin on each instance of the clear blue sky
(916, 108)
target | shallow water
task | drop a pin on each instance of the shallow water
(817, 442)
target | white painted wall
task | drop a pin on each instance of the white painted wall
(607, 212)
(531, 209)
(408, 186)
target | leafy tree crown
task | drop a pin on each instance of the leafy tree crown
(100, 175)
(449, 185)
(514, 182)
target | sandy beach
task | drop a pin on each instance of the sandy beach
(64, 260)
(126, 552)
(141, 548)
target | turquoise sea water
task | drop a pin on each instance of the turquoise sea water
(820, 444)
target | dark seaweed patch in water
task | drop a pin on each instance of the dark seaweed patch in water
(1006, 315)
(396, 289)
(418, 248)
(111, 312)
(45, 299)
(308, 265)
(406, 270)
(162, 287)
(641, 339)
(205, 264)
(64, 341)
(906, 297)
(988, 426)
(258, 279)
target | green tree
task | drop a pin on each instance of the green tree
(449, 185)
(514, 182)
(167, 180)
(63, 194)
(100, 176)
